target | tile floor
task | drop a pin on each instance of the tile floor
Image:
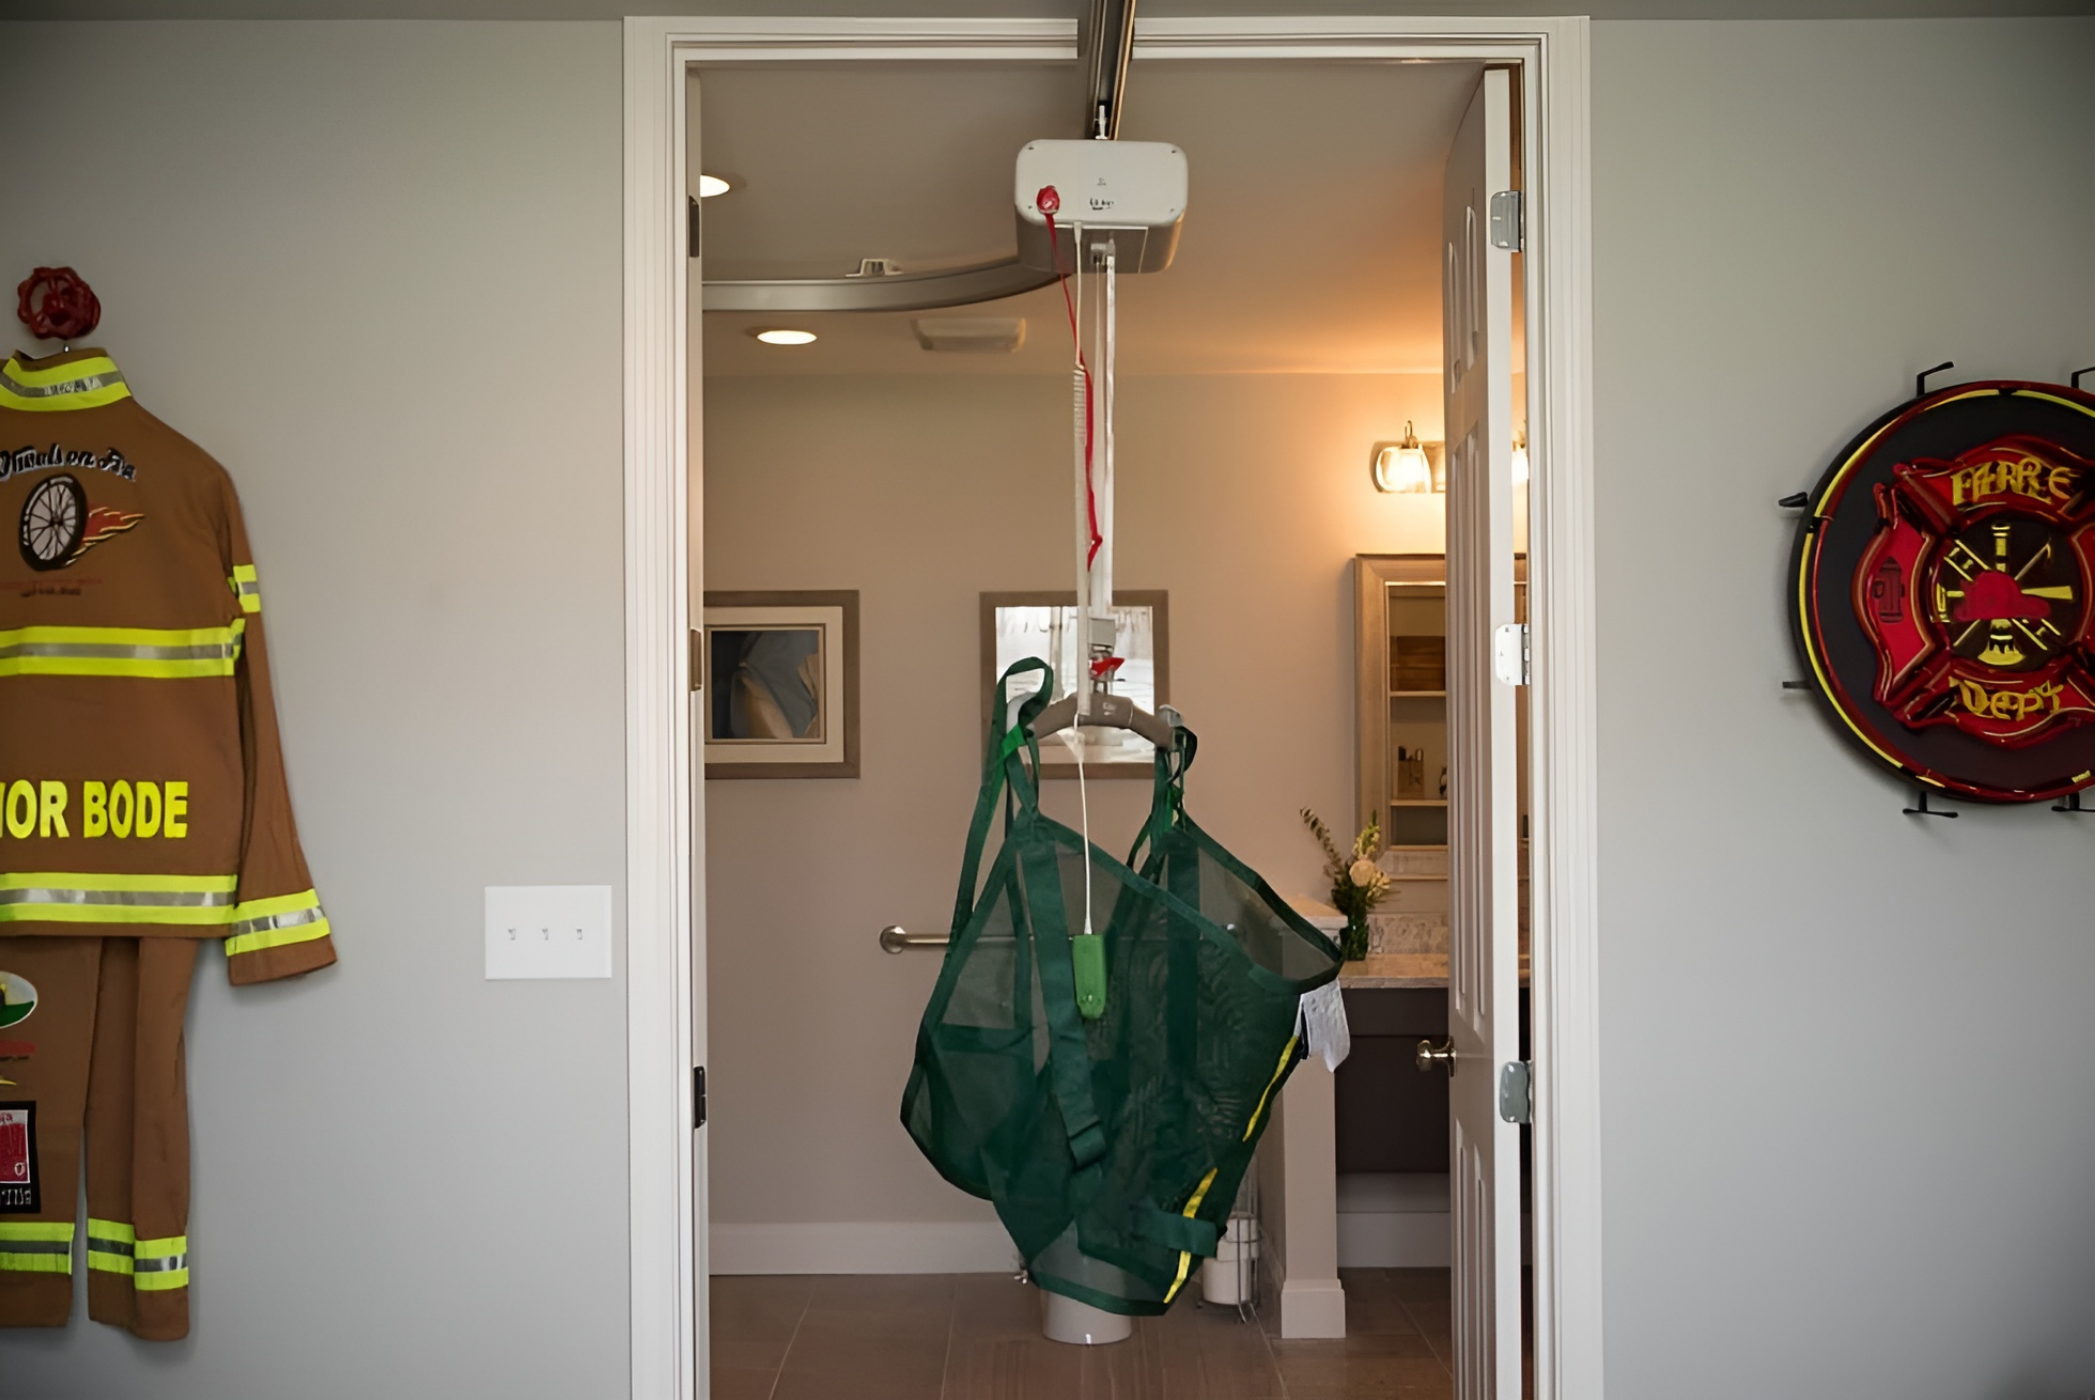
(979, 1337)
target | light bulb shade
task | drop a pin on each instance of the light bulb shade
(712, 185)
(1396, 467)
(1519, 466)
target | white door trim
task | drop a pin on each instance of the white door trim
(665, 935)
(665, 1275)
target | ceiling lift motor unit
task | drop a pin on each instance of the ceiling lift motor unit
(1083, 211)
(1130, 193)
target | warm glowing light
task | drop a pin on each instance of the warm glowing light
(786, 337)
(1402, 466)
(712, 185)
(1519, 461)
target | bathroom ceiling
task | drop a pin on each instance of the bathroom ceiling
(1311, 243)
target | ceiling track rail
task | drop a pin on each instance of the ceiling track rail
(1107, 29)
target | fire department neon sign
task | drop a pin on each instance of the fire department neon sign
(1943, 590)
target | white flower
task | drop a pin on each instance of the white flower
(1363, 874)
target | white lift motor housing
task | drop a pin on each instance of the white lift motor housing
(1130, 192)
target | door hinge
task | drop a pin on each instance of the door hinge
(1506, 220)
(699, 1095)
(1514, 1098)
(1513, 653)
(693, 659)
(692, 226)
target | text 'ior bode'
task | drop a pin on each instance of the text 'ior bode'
(120, 809)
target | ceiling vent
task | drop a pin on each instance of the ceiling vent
(971, 335)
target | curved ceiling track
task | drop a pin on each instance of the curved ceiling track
(899, 291)
(1106, 29)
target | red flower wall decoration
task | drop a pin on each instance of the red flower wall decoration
(57, 304)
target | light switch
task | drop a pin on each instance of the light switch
(547, 931)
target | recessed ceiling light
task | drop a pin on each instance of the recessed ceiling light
(712, 185)
(786, 337)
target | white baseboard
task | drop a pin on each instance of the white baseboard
(1396, 1220)
(1393, 1240)
(856, 1247)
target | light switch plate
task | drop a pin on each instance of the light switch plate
(547, 931)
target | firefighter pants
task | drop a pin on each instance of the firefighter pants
(97, 1055)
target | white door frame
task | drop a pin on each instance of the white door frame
(665, 929)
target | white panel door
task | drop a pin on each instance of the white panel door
(1486, 1209)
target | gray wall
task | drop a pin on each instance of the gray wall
(375, 269)
(1848, 1054)
(410, 1182)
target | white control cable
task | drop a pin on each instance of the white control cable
(1076, 744)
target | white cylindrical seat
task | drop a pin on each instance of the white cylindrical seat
(1081, 1324)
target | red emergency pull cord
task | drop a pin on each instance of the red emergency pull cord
(1047, 204)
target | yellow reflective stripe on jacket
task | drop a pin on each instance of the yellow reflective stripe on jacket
(80, 898)
(110, 1246)
(246, 588)
(88, 383)
(155, 1266)
(155, 653)
(36, 1246)
(52, 376)
(159, 1265)
(275, 922)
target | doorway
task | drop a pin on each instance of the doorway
(649, 953)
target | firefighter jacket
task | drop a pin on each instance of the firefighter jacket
(142, 793)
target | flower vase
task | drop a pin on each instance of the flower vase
(1356, 937)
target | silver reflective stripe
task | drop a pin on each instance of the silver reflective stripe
(36, 1246)
(84, 385)
(290, 919)
(167, 1263)
(110, 651)
(158, 899)
(98, 1245)
(247, 587)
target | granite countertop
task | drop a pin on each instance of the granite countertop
(1412, 970)
(1391, 969)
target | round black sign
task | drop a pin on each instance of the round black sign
(1943, 590)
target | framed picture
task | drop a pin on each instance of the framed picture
(780, 677)
(1015, 626)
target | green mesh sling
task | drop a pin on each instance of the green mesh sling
(1106, 1092)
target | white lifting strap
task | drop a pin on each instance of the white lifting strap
(1094, 454)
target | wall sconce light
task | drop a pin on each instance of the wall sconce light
(1519, 461)
(1402, 466)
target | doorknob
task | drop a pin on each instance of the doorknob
(1430, 1053)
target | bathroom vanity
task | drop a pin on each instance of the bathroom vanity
(1354, 1168)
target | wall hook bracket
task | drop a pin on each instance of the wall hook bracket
(1797, 501)
(1924, 373)
(2078, 374)
(2073, 803)
(1926, 809)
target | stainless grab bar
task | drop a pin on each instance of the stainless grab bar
(895, 940)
